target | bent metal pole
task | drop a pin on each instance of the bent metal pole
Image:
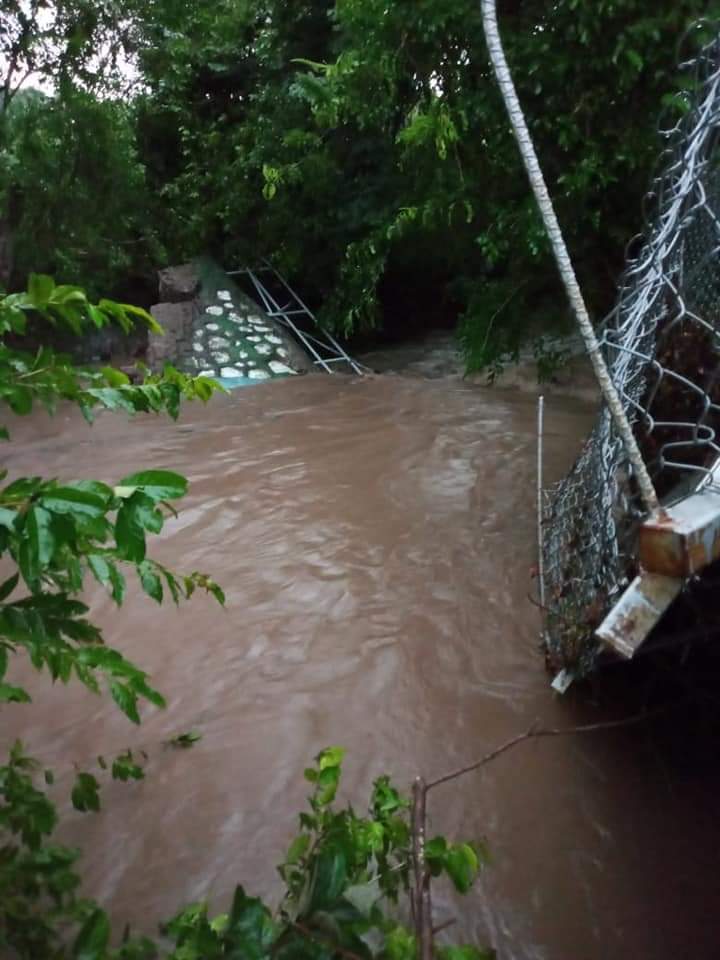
(562, 257)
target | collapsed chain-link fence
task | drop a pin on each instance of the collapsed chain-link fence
(662, 346)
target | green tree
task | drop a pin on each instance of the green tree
(66, 155)
(67, 145)
(377, 138)
(363, 147)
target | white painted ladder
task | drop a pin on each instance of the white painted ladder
(320, 344)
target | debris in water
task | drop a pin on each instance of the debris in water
(278, 367)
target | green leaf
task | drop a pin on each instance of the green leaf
(327, 784)
(436, 848)
(116, 312)
(10, 694)
(219, 924)
(85, 794)
(435, 855)
(125, 768)
(126, 700)
(146, 513)
(97, 316)
(298, 848)
(42, 541)
(400, 945)
(156, 484)
(129, 533)
(151, 583)
(329, 878)
(251, 927)
(94, 937)
(115, 378)
(20, 400)
(461, 863)
(330, 757)
(141, 314)
(117, 581)
(184, 740)
(21, 489)
(216, 590)
(40, 289)
(385, 798)
(99, 567)
(7, 587)
(173, 585)
(635, 59)
(65, 293)
(74, 499)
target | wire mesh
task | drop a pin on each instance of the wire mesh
(662, 346)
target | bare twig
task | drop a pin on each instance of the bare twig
(533, 733)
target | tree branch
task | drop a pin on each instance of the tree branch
(421, 891)
(534, 733)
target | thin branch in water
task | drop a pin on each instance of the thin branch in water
(533, 733)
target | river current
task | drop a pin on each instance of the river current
(375, 538)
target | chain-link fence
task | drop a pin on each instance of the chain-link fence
(662, 346)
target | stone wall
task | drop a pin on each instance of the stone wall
(211, 328)
(175, 344)
(176, 315)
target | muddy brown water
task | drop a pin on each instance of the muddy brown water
(375, 539)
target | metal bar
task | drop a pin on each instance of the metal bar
(322, 344)
(309, 312)
(236, 273)
(541, 559)
(268, 298)
(260, 290)
(283, 315)
(685, 538)
(639, 609)
(340, 350)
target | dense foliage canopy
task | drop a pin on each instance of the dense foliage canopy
(360, 144)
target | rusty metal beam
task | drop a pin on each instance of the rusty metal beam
(683, 539)
(674, 543)
(638, 610)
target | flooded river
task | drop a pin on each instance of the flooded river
(375, 539)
